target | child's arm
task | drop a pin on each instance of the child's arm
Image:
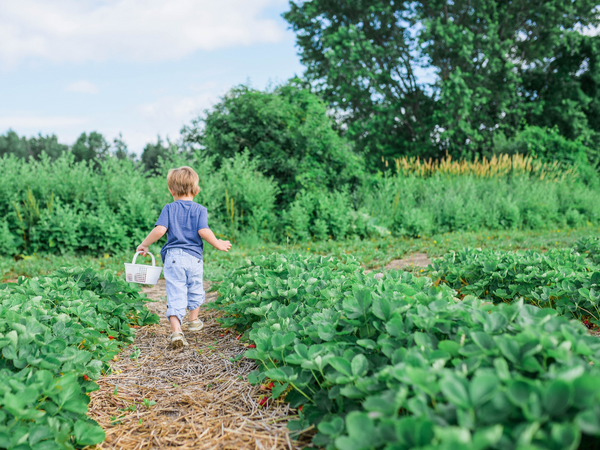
(158, 232)
(209, 236)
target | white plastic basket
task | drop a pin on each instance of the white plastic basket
(140, 273)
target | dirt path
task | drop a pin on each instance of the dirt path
(202, 398)
(410, 262)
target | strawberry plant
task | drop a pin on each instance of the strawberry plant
(54, 338)
(589, 246)
(560, 279)
(403, 362)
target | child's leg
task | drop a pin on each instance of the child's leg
(175, 276)
(195, 289)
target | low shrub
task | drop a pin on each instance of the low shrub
(402, 363)
(558, 279)
(57, 334)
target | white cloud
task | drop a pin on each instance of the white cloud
(168, 114)
(36, 123)
(129, 30)
(83, 87)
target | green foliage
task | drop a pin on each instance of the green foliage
(495, 64)
(21, 147)
(545, 145)
(558, 279)
(57, 334)
(154, 154)
(325, 216)
(402, 363)
(109, 206)
(485, 53)
(90, 147)
(359, 55)
(569, 98)
(591, 247)
(286, 130)
(414, 206)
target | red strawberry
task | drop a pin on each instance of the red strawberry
(86, 378)
(262, 401)
(300, 409)
(238, 338)
(221, 335)
(111, 337)
(252, 346)
(270, 385)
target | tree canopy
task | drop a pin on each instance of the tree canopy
(498, 65)
(286, 129)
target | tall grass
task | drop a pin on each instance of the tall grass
(64, 207)
(499, 166)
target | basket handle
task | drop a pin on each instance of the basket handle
(136, 255)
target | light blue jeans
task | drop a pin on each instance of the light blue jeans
(183, 274)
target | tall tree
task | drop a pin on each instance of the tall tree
(153, 153)
(570, 98)
(483, 50)
(362, 55)
(90, 147)
(22, 147)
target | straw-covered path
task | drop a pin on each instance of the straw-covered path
(203, 400)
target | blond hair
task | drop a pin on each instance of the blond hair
(183, 181)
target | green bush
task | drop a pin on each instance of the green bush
(402, 363)
(57, 334)
(107, 206)
(62, 206)
(558, 279)
(414, 206)
(289, 133)
(548, 145)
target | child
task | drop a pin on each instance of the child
(186, 225)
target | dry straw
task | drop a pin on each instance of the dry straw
(203, 400)
(498, 166)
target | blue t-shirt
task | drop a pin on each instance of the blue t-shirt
(183, 219)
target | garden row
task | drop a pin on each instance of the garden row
(405, 362)
(562, 279)
(57, 334)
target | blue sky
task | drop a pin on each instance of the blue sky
(136, 67)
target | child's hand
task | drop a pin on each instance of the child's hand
(142, 248)
(224, 246)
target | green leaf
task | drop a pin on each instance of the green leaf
(509, 347)
(589, 421)
(278, 389)
(502, 369)
(482, 388)
(485, 438)
(483, 340)
(518, 392)
(39, 433)
(88, 433)
(455, 389)
(281, 374)
(360, 428)
(566, 436)
(558, 397)
(360, 365)
(341, 365)
(332, 428)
